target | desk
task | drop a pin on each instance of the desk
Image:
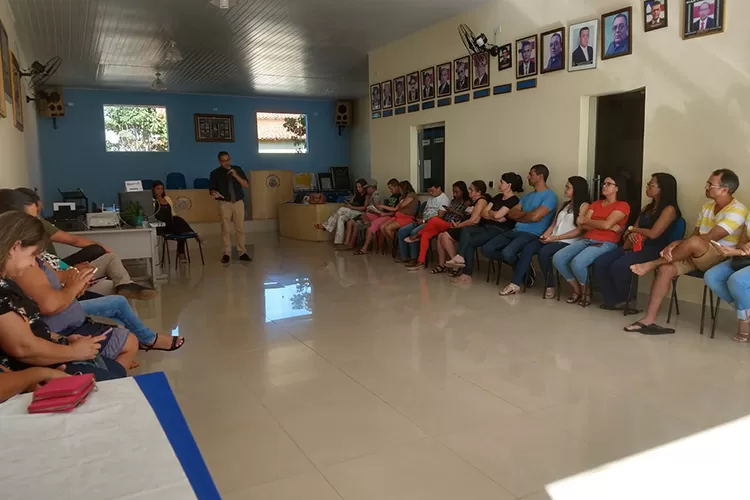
(297, 221)
(195, 205)
(129, 440)
(136, 243)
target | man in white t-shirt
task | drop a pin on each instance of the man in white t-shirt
(435, 207)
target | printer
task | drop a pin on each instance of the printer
(100, 220)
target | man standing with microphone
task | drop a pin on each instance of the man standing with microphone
(227, 184)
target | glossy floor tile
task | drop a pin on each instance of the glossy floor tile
(316, 374)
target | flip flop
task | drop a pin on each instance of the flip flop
(360, 252)
(172, 347)
(652, 329)
(438, 270)
(638, 324)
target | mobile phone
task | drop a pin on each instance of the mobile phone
(446, 207)
(716, 243)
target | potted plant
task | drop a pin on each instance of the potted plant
(133, 214)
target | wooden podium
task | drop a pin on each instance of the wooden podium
(269, 188)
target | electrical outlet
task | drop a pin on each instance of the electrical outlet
(491, 184)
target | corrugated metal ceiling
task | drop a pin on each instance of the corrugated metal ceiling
(259, 47)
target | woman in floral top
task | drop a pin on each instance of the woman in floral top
(455, 212)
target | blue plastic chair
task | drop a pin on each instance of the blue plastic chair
(177, 237)
(201, 183)
(147, 183)
(176, 180)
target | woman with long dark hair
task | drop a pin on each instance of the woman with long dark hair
(563, 231)
(403, 213)
(337, 222)
(603, 225)
(453, 213)
(653, 229)
(174, 224)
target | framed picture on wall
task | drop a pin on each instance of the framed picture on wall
(526, 57)
(375, 97)
(617, 33)
(654, 15)
(445, 76)
(702, 17)
(5, 59)
(553, 50)
(387, 93)
(412, 88)
(399, 86)
(428, 83)
(462, 83)
(17, 92)
(505, 59)
(582, 50)
(214, 128)
(480, 70)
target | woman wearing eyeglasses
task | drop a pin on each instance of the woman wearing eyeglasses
(603, 223)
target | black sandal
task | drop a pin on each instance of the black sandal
(173, 347)
(438, 270)
(573, 299)
(585, 301)
(360, 252)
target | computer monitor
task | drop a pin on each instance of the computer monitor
(145, 198)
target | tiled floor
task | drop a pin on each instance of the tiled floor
(316, 375)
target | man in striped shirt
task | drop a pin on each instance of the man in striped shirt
(720, 222)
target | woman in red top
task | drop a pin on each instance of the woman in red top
(603, 223)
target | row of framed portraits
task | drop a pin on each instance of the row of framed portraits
(10, 81)
(548, 52)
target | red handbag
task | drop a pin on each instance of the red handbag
(62, 394)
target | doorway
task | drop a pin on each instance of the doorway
(431, 157)
(619, 145)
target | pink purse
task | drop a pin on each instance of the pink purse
(62, 394)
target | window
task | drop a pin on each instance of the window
(136, 128)
(282, 133)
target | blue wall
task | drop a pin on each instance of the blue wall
(74, 155)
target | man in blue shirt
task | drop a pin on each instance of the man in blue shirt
(533, 215)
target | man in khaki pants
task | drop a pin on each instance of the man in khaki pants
(227, 184)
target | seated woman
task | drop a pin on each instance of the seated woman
(13, 383)
(25, 340)
(560, 234)
(436, 225)
(336, 223)
(730, 280)
(603, 224)
(380, 215)
(447, 240)
(403, 213)
(164, 212)
(654, 226)
(353, 225)
(493, 221)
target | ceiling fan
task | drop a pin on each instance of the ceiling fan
(158, 84)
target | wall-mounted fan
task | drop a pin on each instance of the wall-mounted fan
(40, 73)
(476, 44)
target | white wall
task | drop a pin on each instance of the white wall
(20, 150)
(697, 99)
(360, 140)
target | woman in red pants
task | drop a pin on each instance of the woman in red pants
(453, 213)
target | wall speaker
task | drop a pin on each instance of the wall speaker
(51, 102)
(343, 113)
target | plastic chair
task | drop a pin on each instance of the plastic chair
(176, 180)
(147, 183)
(201, 183)
(177, 237)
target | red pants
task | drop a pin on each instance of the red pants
(434, 226)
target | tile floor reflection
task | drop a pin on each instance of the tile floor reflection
(311, 374)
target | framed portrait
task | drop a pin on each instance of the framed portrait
(428, 83)
(526, 57)
(399, 87)
(702, 17)
(461, 82)
(17, 92)
(375, 97)
(445, 77)
(386, 89)
(582, 51)
(413, 92)
(654, 15)
(505, 59)
(617, 33)
(480, 70)
(6, 91)
(553, 50)
(213, 128)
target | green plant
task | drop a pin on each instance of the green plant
(132, 211)
(297, 126)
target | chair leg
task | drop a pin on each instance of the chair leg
(200, 247)
(715, 315)
(163, 250)
(499, 270)
(672, 300)
(476, 258)
(169, 261)
(703, 306)
(187, 251)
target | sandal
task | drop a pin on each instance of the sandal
(743, 333)
(652, 329)
(550, 293)
(438, 270)
(177, 342)
(510, 289)
(360, 252)
(585, 301)
(573, 299)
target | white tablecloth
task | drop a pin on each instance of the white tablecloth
(112, 447)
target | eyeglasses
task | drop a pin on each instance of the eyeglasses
(716, 186)
(608, 184)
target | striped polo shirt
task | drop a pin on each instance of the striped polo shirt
(731, 218)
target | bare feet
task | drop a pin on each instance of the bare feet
(643, 269)
(320, 226)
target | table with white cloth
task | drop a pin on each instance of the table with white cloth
(129, 440)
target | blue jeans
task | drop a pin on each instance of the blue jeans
(613, 272)
(409, 250)
(473, 237)
(732, 286)
(574, 260)
(545, 252)
(116, 307)
(507, 246)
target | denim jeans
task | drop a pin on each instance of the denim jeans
(507, 246)
(732, 286)
(116, 307)
(409, 250)
(545, 252)
(473, 237)
(574, 260)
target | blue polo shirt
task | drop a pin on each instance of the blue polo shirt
(531, 202)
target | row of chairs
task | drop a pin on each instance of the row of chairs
(176, 180)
